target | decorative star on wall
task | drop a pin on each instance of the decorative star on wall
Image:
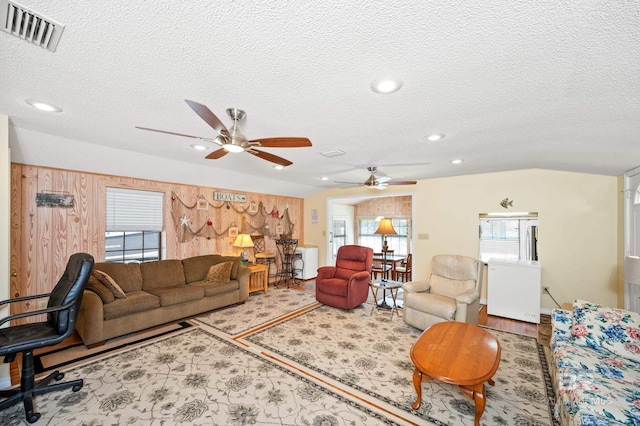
(184, 221)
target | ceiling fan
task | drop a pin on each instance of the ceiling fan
(378, 182)
(232, 140)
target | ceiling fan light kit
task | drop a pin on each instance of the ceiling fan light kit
(232, 140)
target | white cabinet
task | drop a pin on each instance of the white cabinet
(308, 267)
(514, 291)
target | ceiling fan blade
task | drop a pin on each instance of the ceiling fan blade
(177, 134)
(383, 179)
(283, 142)
(401, 182)
(270, 157)
(348, 183)
(206, 114)
(219, 153)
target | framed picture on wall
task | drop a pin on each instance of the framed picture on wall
(279, 229)
(202, 204)
(253, 208)
(233, 231)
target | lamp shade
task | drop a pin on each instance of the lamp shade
(243, 240)
(385, 227)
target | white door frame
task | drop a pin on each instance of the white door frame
(336, 200)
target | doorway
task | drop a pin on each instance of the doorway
(342, 210)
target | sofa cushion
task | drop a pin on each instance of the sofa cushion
(602, 328)
(214, 288)
(335, 286)
(105, 294)
(236, 264)
(433, 304)
(448, 287)
(127, 275)
(178, 294)
(196, 268)
(220, 272)
(136, 301)
(109, 283)
(162, 273)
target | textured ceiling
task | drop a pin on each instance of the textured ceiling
(512, 84)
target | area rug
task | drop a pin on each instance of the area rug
(368, 355)
(260, 309)
(195, 378)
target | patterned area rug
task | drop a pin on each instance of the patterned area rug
(280, 359)
(368, 355)
(258, 310)
(195, 378)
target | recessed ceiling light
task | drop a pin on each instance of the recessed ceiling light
(199, 147)
(434, 137)
(324, 178)
(457, 161)
(278, 167)
(386, 85)
(43, 106)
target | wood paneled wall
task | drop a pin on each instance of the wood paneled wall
(43, 238)
(399, 207)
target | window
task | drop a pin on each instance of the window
(134, 225)
(399, 242)
(508, 238)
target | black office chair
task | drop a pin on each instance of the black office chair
(62, 310)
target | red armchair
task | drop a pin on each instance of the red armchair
(346, 285)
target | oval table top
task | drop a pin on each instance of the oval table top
(457, 353)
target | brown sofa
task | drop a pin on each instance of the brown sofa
(156, 293)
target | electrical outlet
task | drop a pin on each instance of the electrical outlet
(42, 304)
(546, 289)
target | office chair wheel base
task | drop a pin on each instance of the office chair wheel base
(76, 388)
(33, 418)
(59, 377)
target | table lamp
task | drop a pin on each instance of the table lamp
(385, 228)
(243, 241)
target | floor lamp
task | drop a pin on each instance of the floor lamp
(385, 228)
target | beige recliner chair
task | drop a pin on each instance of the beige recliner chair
(452, 292)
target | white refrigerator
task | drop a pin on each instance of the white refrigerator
(308, 268)
(514, 290)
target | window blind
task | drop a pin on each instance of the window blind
(134, 210)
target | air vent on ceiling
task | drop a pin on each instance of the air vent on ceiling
(332, 153)
(30, 26)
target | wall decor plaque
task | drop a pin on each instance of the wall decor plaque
(55, 199)
(230, 197)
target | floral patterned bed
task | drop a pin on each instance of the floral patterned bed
(595, 365)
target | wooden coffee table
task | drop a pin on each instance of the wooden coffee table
(458, 353)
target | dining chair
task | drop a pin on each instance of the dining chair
(403, 272)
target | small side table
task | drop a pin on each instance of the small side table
(259, 278)
(392, 286)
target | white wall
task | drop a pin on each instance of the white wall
(579, 225)
(5, 226)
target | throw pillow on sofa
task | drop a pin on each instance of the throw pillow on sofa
(105, 294)
(105, 279)
(601, 327)
(220, 272)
